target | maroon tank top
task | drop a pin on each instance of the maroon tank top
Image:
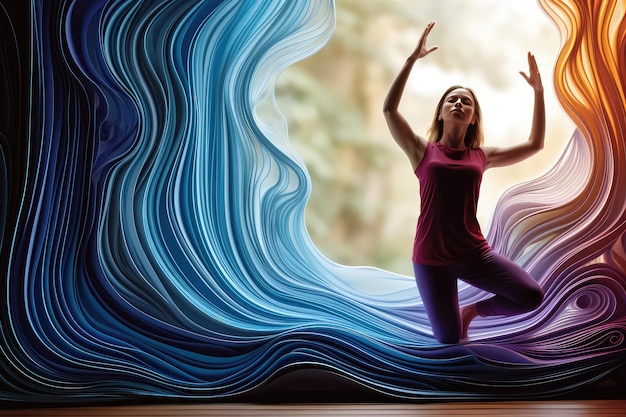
(448, 232)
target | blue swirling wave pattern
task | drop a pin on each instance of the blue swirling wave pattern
(153, 235)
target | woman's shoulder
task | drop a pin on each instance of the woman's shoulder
(483, 150)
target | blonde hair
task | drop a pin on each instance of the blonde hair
(473, 135)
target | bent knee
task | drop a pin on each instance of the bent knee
(447, 338)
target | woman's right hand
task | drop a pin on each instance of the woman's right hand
(421, 50)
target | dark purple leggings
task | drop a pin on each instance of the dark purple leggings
(515, 291)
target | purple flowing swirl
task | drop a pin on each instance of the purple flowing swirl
(153, 236)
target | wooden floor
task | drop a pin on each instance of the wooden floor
(569, 408)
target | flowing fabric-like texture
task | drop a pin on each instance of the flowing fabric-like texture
(152, 228)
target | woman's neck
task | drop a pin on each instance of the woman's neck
(454, 136)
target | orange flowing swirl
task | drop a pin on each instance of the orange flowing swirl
(589, 79)
(568, 228)
(576, 214)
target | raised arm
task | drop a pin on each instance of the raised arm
(412, 144)
(497, 157)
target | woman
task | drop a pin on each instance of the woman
(449, 244)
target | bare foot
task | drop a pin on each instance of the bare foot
(468, 313)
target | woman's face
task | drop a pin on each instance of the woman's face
(458, 107)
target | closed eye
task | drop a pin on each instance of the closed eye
(465, 100)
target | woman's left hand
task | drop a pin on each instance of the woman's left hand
(533, 78)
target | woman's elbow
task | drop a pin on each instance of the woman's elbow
(540, 144)
(389, 111)
(536, 143)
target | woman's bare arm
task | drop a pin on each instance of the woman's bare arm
(412, 144)
(497, 157)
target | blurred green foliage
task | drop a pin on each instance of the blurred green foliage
(332, 103)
